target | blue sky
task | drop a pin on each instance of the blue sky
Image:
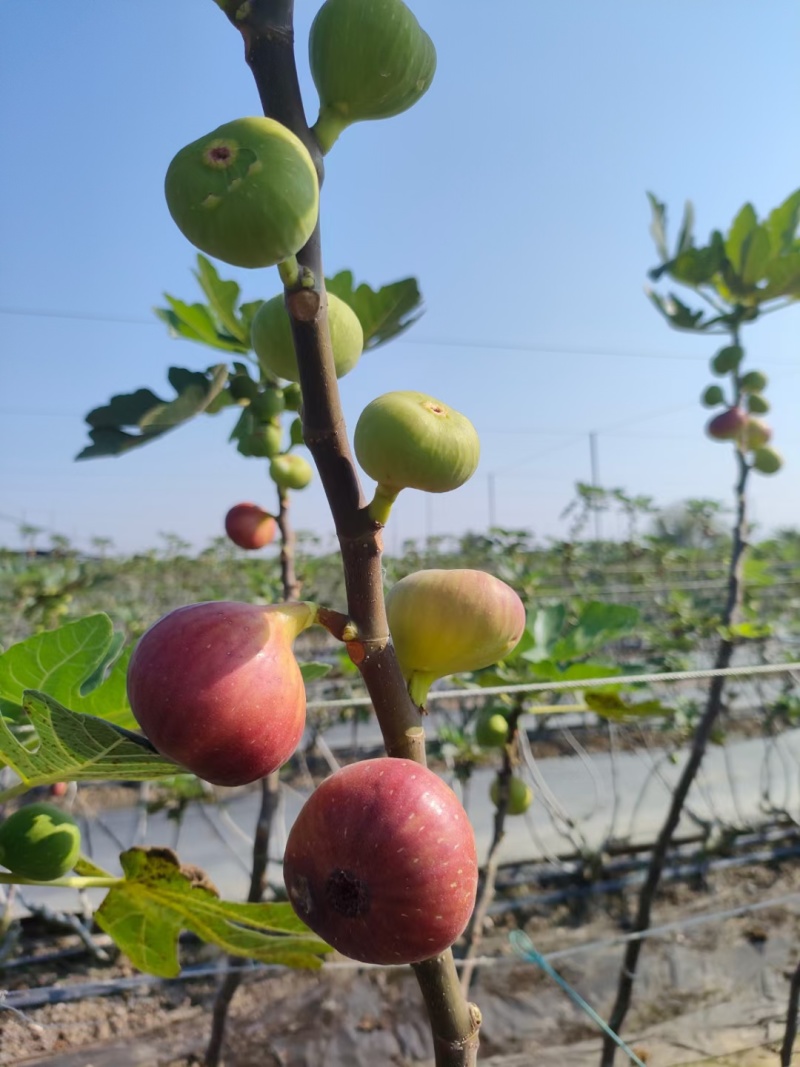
(514, 191)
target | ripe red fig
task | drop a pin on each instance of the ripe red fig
(249, 526)
(729, 425)
(381, 862)
(444, 622)
(215, 687)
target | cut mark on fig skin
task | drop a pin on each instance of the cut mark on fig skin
(347, 894)
(436, 409)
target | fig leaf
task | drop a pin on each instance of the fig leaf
(384, 313)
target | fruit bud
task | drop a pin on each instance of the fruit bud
(290, 471)
(727, 359)
(729, 425)
(520, 795)
(246, 193)
(712, 396)
(271, 335)
(753, 382)
(445, 622)
(767, 461)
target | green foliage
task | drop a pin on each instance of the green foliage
(145, 913)
(384, 313)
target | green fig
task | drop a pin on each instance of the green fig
(272, 338)
(727, 359)
(290, 471)
(267, 404)
(296, 432)
(408, 440)
(767, 461)
(445, 622)
(292, 397)
(243, 388)
(370, 59)
(520, 795)
(40, 841)
(756, 434)
(712, 396)
(753, 382)
(246, 193)
(756, 404)
(491, 729)
(264, 442)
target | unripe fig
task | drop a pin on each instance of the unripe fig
(296, 432)
(756, 433)
(290, 471)
(246, 193)
(381, 862)
(753, 382)
(491, 729)
(712, 396)
(757, 404)
(520, 795)
(767, 461)
(267, 405)
(249, 526)
(444, 622)
(727, 359)
(265, 441)
(242, 387)
(271, 335)
(370, 59)
(292, 397)
(216, 687)
(408, 440)
(40, 841)
(728, 426)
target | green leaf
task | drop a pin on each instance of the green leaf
(598, 624)
(146, 412)
(384, 314)
(738, 235)
(223, 297)
(612, 706)
(755, 256)
(77, 747)
(783, 222)
(313, 671)
(782, 277)
(545, 627)
(658, 226)
(78, 664)
(687, 225)
(158, 898)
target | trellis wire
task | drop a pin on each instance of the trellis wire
(577, 683)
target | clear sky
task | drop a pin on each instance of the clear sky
(514, 191)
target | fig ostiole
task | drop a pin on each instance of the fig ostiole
(381, 862)
(446, 622)
(271, 335)
(370, 59)
(289, 471)
(249, 526)
(409, 440)
(246, 193)
(40, 842)
(215, 687)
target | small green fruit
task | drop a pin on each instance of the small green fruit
(712, 396)
(267, 405)
(520, 795)
(727, 359)
(264, 442)
(40, 842)
(445, 622)
(408, 440)
(272, 338)
(491, 730)
(767, 461)
(290, 471)
(370, 59)
(246, 193)
(756, 434)
(296, 432)
(753, 382)
(757, 405)
(243, 388)
(292, 397)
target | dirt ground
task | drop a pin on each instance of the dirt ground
(713, 989)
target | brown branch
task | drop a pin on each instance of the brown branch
(713, 708)
(791, 1019)
(267, 30)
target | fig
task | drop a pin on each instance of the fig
(727, 359)
(408, 440)
(444, 622)
(216, 687)
(265, 441)
(246, 193)
(712, 396)
(242, 388)
(381, 862)
(757, 405)
(728, 426)
(767, 461)
(40, 841)
(370, 59)
(296, 432)
(491, 729)
(756, 433)
(267, 405)
(520, 795)
(753, 382)
(271, 335)
(292, 397)
(249, 526)
(290, 472)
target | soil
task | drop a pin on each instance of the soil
(702, 991)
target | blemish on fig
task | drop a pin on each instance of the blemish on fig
(211, 200)
(435, 409)
(220, 154)
(347, 894)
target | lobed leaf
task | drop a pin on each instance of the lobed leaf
(385, 313)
